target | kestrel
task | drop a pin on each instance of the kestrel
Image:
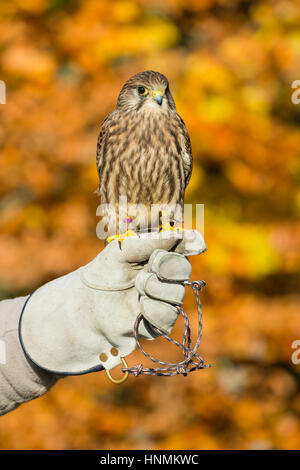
(144, 152)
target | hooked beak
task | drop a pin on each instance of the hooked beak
(157, 96)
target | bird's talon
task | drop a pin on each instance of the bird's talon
(167, 227)
(121, 236)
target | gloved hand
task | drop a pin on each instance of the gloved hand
(83, 321)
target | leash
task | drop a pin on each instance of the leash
(192, 360)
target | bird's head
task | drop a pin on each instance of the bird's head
(147, 90)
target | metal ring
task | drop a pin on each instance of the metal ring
(123, 379)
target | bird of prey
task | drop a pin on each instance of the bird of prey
(144, 152)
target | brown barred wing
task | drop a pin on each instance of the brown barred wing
(186, 154)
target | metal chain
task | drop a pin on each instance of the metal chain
(192, 359)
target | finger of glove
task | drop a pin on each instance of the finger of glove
(138, 248)
(148, 284)
(160, 314)
(169, 266)
(191, 244)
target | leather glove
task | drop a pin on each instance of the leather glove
(83, 321)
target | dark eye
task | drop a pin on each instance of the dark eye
(142, 90)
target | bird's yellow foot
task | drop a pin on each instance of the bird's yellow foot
(167, 224)
(167, 227)
(120, 236)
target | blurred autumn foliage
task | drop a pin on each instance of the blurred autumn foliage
(231, 64)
